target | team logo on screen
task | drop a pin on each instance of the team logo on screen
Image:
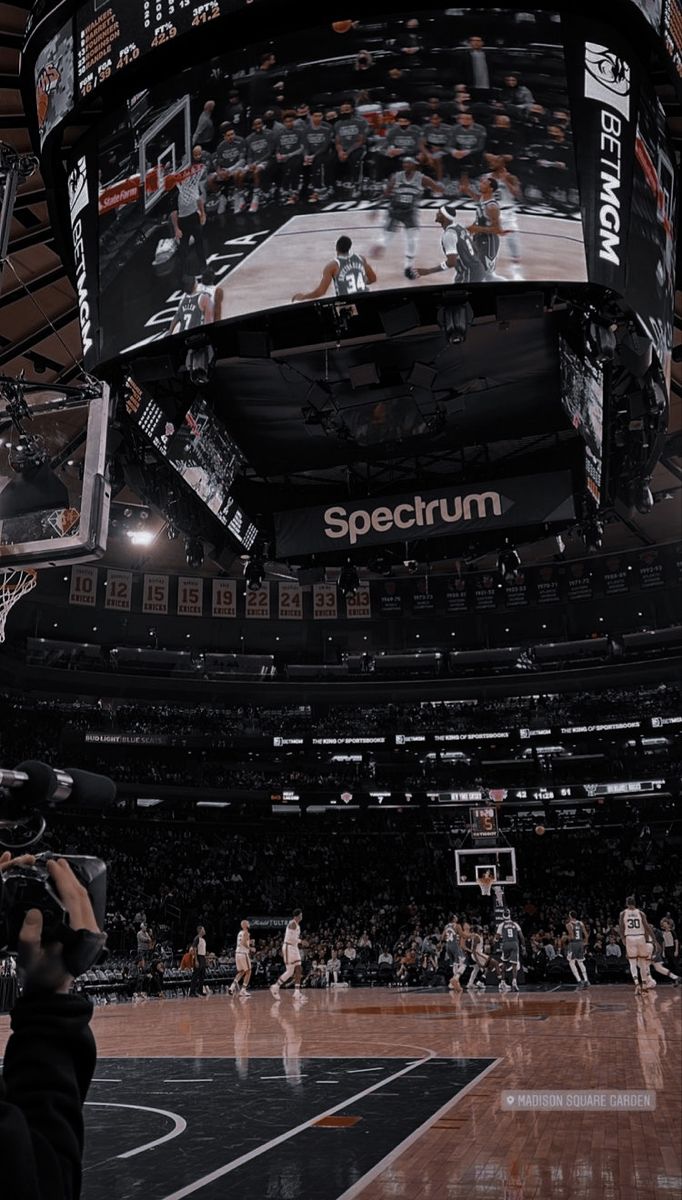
(78, 189)
(607, 78)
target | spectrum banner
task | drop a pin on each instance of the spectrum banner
(529, 500)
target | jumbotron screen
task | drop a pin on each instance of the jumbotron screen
(395, 153)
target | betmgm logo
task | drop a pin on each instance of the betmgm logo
(607, 81)
(78, 201)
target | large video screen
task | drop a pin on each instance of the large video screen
(367, 156)
(582, 398)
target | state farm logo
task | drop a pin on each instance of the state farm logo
(607, 78)
(78, 189)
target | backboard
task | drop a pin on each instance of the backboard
(472, 865)
(58, 513)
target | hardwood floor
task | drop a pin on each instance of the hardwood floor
(385, 1095)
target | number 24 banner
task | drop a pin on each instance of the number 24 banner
(290, 602)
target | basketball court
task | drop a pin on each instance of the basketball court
(291, 259)
(382, 1094)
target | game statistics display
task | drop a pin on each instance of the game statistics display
(111, 36)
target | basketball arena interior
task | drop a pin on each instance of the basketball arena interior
(340, 601)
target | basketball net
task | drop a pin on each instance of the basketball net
(15, 582)
(485, 882)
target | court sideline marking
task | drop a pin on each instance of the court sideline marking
(360, 1184)
(285, 1137)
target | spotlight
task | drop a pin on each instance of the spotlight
(643, 496)
(194, 552)
(411, 566)
(142, 537)
(254, 572)
(508, 561)
(199, 364)
(381, 566)
(349, 580)
(454, 320)
(560, 546)
(592, 534)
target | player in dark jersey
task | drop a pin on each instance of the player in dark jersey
(403, 191)
(260, 159)
(454, 954)
(486, 229)
(511, 942)
(351, 132)
(577, 940)
(459, 251)
(289, 154)
(350, 274)
(657, 958)
(228, 165)
(193, 309)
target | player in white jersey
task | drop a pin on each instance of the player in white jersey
(209, 285)
(577, 940)
(636, 931)
(291, 953)
(511, 941)
(509, 192)
(242, 959)
(452, 936)
(350, 274)
(403, 191)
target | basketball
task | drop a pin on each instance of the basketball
(342, 26)
(539, 829)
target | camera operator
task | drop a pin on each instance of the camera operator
(50, 1056)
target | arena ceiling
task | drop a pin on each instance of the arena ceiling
(263, 401)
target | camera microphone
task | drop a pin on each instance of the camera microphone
(40, 785)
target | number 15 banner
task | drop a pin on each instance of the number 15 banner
(190, 596)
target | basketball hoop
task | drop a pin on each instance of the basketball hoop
(15, 582)
(486, 881)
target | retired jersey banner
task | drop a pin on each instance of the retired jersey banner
(190, 596)
(359, 605)
(119, 587)
(155, 594)
(325, 602)
(224, 598)
(257, 603)
(290, 602)
(482, 507)
(83, 588)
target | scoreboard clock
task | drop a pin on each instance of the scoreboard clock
(483, 825)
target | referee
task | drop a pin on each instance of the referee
(196, 985)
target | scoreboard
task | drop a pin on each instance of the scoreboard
(111, 36)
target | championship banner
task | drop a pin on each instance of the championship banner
(190, 596)
(83, 585)
(224, 598)
(548, 581)
(485, 592)
(477, 508)
(616, 576)
(290, 602)
(604, 91)
(423, 599)
(325, 602)
(257, 603)
(359, 605)
(456, 599)
(650, 570)
(516, 590)
(155, 594)
(390, 599)
(119, 587)
(579, 579)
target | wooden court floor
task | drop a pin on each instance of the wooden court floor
(383, 1095)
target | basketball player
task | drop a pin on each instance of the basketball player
(317, 142)
(292, 959)
(242, 963)
(454, 953)
(403, 191)
(289, 154)
(260, 155)
(228, 165)
(577, 939)
(657, 959)
(210, 286)
(473, 944)
(193, 309)
(350, 274)
(635, 932)
(511, 943)
(486, 229)
(458, 250)
(509, 192)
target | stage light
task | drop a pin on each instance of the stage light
(560, 546)
(349, 580)
(199, 364)
(592, 534)
(254, 572)
(508, 561)
(194, 552)
(643, 497)
(140, 537)
(411, 566)
(454, 320)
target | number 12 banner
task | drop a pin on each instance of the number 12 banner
(119, 590)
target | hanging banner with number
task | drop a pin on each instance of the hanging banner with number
(290, 602)
(224, 598)
(257, 604)
(359, 605)
(83, 585)
(119, 590)
(190, 596)
(155, 594)
(325, 603)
